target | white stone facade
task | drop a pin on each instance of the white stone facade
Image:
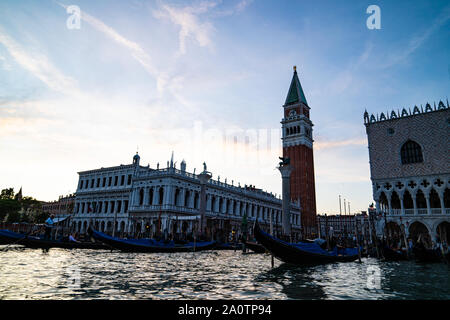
(168, 199)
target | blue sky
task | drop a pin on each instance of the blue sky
(189, 76)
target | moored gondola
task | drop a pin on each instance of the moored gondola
(393, 255)
(150, 245)
(255, 247)
(9, 237)
(422, 254)
(228, 246)
(302, 253)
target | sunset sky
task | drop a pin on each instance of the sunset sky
(190, 76)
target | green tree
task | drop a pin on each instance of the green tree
(7, 193)
(13, 217)
(8, 206)
(40, 217)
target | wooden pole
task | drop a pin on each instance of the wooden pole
(442, 244)
(357, 240)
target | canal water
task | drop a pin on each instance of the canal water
(93, 274)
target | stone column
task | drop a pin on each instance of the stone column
(191, 199)
(133, 197)
(146, 195)
(285, 171)
(413, 195)
(204, 178)
(182, 196)
(166, 195)
(427, 198)
(116, 205)
(155, 196)
(441, 199)
(402, 207)
(208, 202)
(389, 204)
(216, 204)
(271, 220)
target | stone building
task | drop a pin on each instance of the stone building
(61, 207)
(409, 153)
(344, 225)
(150, 201)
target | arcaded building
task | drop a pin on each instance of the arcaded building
(409, 152)
(142, 200)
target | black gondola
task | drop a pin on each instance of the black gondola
(9, 237)
(302, 253)
(255, 247)
(393, 255)
(422, 254)
(151, 245)
(228, 246)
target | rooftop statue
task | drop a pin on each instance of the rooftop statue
(284, 161)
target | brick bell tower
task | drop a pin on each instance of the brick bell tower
(298, 146)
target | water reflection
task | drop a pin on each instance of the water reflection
(102, 274)
(296, 282)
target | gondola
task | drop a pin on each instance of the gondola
(447, 257)
(150, 245)
(422, 254)
(302, 253)
(394, 255)
(228, 246)
(9, 237)
(255, 247)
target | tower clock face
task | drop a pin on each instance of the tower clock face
(292, 113)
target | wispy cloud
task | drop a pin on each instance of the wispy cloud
(236, 9)
(39, 65)
(326, 144)
(187, 18)
(193, 20)
(136, 50)
(418, 40)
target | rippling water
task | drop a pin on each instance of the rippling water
(93, 274)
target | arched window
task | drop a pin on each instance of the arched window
(411, 152)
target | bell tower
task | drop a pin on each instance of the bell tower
(298, 146)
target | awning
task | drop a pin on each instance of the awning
(60, 219)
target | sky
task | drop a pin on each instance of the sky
(207, 80)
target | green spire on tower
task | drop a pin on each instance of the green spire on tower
(295, 93)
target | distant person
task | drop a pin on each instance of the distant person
(49, 227)
(410, 244)
(72, 239)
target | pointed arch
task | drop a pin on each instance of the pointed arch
(435, 201)
(447, 198)
(407, 200)
(395, 200)
(420, 200)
